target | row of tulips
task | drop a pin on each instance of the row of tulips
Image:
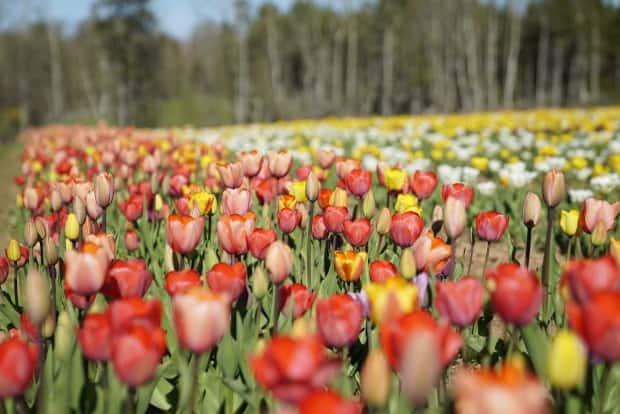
(156, 273)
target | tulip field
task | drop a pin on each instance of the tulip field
(436, 264)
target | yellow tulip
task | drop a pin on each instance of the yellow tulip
(480, 163)
(569, 221)
(287, 201)
(204, 201)
(395, 179)
(567, 360)
(390, 299)
(407, 202)
(298, 189)
(72, 227)
(13, 253)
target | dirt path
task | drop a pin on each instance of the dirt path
(9, 167)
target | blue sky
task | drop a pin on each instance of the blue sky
(176, 17)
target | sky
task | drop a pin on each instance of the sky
(176, 17)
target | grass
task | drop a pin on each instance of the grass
(9, 167)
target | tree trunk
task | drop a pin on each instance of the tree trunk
(275, 67)
(388, 71)
(542, 62)
(351, 91)
(491, 61)
(595, 60)
(55, 74)
(557, 72)
(512, 61)
(336, 71)
(243, 81)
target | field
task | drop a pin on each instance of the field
(439, 263)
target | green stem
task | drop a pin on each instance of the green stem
(275, 312)
(547, 261)
(191, 404)
(309, 246)
(604, 388)
(129, 406)
(569, 250)
(486, 259)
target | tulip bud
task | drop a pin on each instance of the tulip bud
(104, 190)
(531, 209)
(56, 200)
(13, 252)
(420, 367)
(41, 228)
(369, 204)
(279, 261)
(599, 235)
(165, 185)
(49, 325)
(375, 379)
(384, 221)
(260, 283)
(50, 251)
(454, 220)
(30, 233)
(567, 360)
(63, 338)
(37, 294)
(132, 242)
(554, 187)
(302, 328)
(72, 227)
(312, 187)
(158, 202)
(79, 209)
(168, 259)
(407, 264)
(19, 201)
(154, 183)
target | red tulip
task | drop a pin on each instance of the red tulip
(394, 335)
(124, 313)
(79, 301)
(233, 231)
(381, 270)
(236, 201)
(85, 270)
(596, 211)
(132, 242)
(491, 225)
(126, 279)
(136, 354)
(358, 182)
(406, 228)
(4, 269)
(184, 232)
(339, 320)
(288, 219)
(18, 362)
(229, 279)
(95, 337)
(516, 293)
(598, 324)
(181, 204)
(132, 207)
(279, 163)
(201, 318)
(259, 240)
(587, 277)
(265, 189)
(431, 253)
(459, 191)
(180, 281)
(177, 181)
(423, 183)
(329, 402)
(335, 217)
(319, 229)
(297, 297)
(460, 302)
(357, 232)
(292, 368)
(324, 199)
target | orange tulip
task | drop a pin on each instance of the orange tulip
(349, 264)
(184, 232)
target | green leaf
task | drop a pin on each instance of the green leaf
(476, 342)
(536, 343)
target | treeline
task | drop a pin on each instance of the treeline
(349, 58)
